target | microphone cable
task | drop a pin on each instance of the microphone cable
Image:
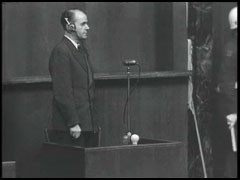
(131, 91)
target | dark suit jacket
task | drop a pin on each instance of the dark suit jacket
(73, 86)
(226, 98)
(228, 77)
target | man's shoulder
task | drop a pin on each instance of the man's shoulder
(61, 47)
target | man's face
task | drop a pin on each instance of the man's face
(81, 25)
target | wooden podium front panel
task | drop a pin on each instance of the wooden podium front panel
(61, 161)
(158, 160)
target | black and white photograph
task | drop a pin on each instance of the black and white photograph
(119, 90)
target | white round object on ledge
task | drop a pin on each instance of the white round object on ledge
(135, 138)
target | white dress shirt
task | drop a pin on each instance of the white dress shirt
(74, 43)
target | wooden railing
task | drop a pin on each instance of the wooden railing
(101, 76)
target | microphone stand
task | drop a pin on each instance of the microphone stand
(126, 137)
(128, 98)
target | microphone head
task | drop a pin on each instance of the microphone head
(129, 62)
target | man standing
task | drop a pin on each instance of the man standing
(225, 152)
(72, 77)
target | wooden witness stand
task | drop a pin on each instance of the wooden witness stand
(64, 157)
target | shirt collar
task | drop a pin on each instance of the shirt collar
(74, 43)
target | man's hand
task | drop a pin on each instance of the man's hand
(231, 120)
(75, 131)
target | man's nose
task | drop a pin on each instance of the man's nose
(87, 27)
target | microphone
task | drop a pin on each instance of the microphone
(129, 62)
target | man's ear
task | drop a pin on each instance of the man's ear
(70, 27)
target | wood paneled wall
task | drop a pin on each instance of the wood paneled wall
(147, 32)
(121, 31)
(26, 112)
(157, 105)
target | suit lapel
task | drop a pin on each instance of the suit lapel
(76, 54)
(82, 59)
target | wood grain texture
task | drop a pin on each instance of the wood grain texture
(158, 159)
(156, 105)
(101, 76)
(147, 32)
(30, 31)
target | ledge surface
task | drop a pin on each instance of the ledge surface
(102, 76)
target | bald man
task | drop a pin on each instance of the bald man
(72, 77)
